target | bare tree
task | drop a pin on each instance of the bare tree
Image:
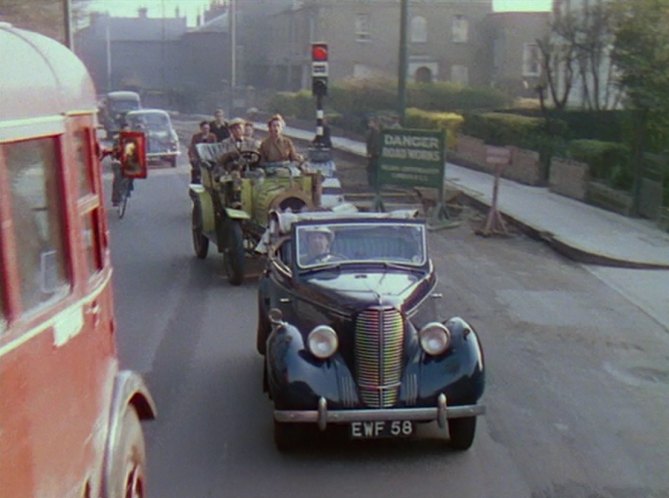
(577, 50)
(558, 59)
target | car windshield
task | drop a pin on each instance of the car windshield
(123, 105)
(152, 121)
(343, 243)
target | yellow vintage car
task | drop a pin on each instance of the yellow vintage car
(231, 206)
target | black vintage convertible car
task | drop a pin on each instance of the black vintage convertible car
(350, 329)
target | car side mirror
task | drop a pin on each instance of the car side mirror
(133, 154)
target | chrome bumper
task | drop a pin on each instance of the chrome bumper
(323, 417)
(167, 153)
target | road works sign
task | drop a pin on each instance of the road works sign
(412, 158)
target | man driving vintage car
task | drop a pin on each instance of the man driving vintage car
(236, 145)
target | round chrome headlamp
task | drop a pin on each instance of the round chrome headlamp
(323, 342)
(434, 338)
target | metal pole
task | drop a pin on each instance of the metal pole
(108, 50)
(319, 119)
(233, 56)
(402, 76)
(67, 17)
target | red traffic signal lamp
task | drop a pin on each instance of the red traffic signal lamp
(319, 69)
(319, 52)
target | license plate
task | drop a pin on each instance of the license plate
(381, 429)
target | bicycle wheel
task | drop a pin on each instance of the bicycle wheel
(123, 203)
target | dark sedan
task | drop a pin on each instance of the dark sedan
(349, 324)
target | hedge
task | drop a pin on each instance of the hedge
(609, 161)
(447, 121)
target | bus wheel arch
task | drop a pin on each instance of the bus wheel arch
(125, 453)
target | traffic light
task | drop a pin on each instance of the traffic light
(319, 69)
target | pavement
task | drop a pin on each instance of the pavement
(582, 232)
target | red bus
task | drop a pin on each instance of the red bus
(69, 417)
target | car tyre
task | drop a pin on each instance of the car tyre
(200, 241)
(288, 436)
(461, 431)
(233, 258)
(264, 328)
(172, 160)
(127, 474)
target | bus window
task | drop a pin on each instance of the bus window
(36, 200)
(91, 239)
(82, 156)
(3, 315)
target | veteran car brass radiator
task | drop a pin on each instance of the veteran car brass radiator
(379, 342)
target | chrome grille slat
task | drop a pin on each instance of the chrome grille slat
(379, 346)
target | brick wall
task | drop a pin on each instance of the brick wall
(525, 166)
(569, 178)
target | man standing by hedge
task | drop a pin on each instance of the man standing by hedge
(373, 150)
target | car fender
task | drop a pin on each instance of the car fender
(297, 379)
(459, 372)
(200, 196)
(237, 214)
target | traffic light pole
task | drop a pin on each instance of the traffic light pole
(319, 120)
(402, 66)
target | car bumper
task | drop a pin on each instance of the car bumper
(323, 416)
(158, 155)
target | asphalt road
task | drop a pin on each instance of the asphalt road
(577, 391)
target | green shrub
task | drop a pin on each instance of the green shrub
(363, 96)
(292, 104)
(503, 129)
(447, 121)
(608, 161)
(445, 96)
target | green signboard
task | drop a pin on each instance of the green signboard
(412, 158)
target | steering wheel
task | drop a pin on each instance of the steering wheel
(251, 158)
(326, 258)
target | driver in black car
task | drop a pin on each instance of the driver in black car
(319, 243)
(236, 145)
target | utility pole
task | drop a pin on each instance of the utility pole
(67, 17)
(233, 55)
(402, 76)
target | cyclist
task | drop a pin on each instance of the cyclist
(115, 153)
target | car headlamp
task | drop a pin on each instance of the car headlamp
(323, 342)
(434, 338)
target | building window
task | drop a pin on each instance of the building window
(460, 74)
(37, 205)
(460, 29)
(362, 27)
(531, 60)
(418, 30)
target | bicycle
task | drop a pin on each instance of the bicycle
(125, 187)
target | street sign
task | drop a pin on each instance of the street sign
(319, 69)
(412, 158)
(497, 155)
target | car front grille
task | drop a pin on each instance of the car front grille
(379, 343)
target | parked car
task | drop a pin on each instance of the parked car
(113, 109)
(355, 336)
(162, 139)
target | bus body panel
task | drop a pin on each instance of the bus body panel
(59, 369)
